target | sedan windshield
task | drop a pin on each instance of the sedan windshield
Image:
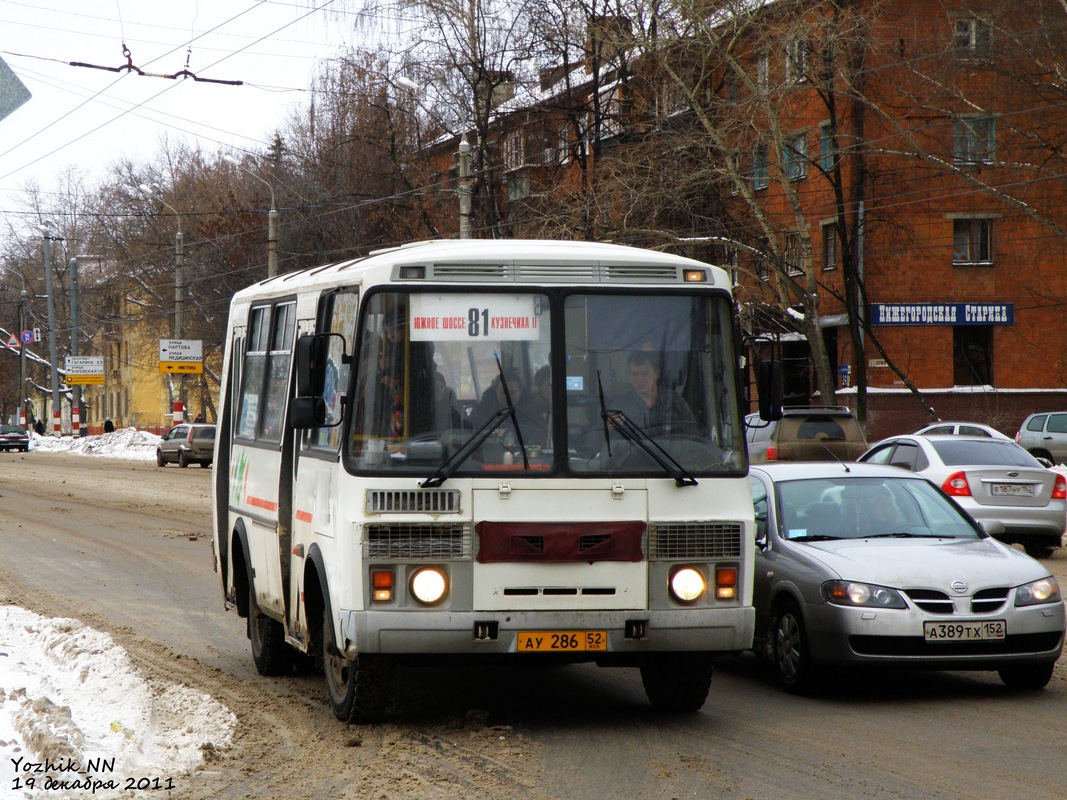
(856, 508)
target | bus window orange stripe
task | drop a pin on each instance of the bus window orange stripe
(303, 516)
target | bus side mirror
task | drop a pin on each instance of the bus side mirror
(310, 357)
(307, 412)
(769, 384)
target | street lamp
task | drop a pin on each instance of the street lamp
(272, 216)
(154, 190)
(46, 234)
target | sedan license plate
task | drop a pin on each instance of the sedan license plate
(1012, 490)
(965, 631)
(561, 641)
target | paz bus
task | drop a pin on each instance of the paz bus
(524, 450)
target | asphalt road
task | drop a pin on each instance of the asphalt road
(125, 547)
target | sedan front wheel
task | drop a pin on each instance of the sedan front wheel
(789, 650)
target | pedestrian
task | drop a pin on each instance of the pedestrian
(109, 426)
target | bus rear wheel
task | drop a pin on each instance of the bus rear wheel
(677, 682)
(358, 689)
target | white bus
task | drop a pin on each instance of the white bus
(522, 449)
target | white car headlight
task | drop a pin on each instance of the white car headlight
(1045, 590)
(867, 595)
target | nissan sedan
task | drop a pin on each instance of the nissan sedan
(859, 564)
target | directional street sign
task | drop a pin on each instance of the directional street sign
(182, 356)
(84, 370)
(12, 91)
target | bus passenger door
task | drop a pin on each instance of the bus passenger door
(317, 470)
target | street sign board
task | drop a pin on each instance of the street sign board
(13, 92)
(181, 350)
(13, 342)
(182, 367)
(84, 370)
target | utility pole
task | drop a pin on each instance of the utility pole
(22, 359)
(464, 188)
(76, 389)
(57, 420)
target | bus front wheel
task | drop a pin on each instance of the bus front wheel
(677, 682)
(358, 689)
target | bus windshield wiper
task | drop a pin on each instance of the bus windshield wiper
(633, 432)
(447, 469)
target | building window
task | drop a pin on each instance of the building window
(972, 355)
(518, 186)
(794, 254)
(763, 70)
(796, 60)
(973, 38)
(563, 144)
(514, 150)
(796, 157)
(974, 140)
(827, 156)
(972, 241)
(759, 167)
(829, 246)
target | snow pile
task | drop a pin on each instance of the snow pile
(74, 709)
(125, 443)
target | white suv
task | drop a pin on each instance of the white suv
(1044, 436)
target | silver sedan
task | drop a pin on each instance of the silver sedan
(858, 564)
(992, 480)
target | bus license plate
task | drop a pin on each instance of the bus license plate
(561, 641)
(964, 631)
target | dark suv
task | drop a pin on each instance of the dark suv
(187, 443)
(806, 433)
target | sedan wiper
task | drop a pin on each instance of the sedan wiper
(633, 432)
(814, 537)
(906, 535)
(446, 470)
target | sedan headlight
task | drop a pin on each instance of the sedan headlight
(1045, 590)
(867, 595)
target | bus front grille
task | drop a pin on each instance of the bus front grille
(425, 501)
(437, 541)
(668, 541)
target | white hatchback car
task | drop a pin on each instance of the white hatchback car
(858, 564)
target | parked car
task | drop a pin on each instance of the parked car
(806, 433)
(862, 564)
(187, 443)
(14, 437)
(1045, 436)
(960, 429)
(992, 479)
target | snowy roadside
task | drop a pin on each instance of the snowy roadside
(75, 712)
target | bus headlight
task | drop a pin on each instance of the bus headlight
(429, 585)
(687, 585)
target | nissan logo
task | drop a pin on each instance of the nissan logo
(959, 587)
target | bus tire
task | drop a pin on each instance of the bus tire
(358, 689)
(677, 682)
(272, 656)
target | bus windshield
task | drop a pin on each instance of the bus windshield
(637, 384)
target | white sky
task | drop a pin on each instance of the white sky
(90, 118)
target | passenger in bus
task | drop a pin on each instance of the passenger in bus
(493, 399)
(648, 404)
(447, 410)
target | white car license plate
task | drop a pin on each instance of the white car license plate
(1012, 490)
(965, 631)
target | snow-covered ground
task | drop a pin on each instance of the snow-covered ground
(73, 708)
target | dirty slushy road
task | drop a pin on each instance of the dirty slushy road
(125, 547)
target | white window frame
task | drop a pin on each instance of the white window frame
(796, 59)
(793, 253)
(830, 248)
(972, 242)
(514, 147)
(759, 168)
(972, 38)
(796, 157)
(974, 139)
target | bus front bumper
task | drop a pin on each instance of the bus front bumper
(717, 630)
